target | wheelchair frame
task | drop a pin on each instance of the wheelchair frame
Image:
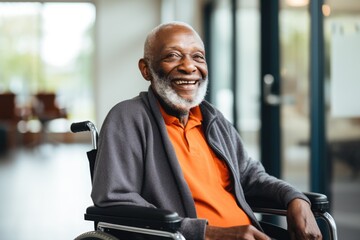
(163, 223)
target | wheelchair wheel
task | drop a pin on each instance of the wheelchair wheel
(96, 235)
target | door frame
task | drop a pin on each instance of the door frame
(270, 133)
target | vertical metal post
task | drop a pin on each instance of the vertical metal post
(318, 165)
(270, 134)
(270, 62)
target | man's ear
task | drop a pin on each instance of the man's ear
(144, 69)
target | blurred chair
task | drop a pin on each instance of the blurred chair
(46, 109)
(9, 117)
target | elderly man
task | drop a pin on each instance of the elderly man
(169, 148)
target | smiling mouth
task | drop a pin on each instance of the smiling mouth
(183, 82)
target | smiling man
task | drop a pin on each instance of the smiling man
(169, 148)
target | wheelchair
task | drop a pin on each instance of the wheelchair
(135, 222)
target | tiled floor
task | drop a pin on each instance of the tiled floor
(346, 205)
(44, 192)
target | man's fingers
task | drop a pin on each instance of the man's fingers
(303, 236)
(258, 235)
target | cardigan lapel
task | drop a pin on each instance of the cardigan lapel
(183, 188)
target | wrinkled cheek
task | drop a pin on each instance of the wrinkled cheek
(204, 72)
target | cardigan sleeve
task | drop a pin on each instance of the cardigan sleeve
(193, 229)
(250, 175)
(118, 172)
(256, 182)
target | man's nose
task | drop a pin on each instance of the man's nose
(187, 65)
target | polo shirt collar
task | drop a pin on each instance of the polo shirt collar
(195, 117)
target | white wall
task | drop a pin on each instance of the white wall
(122, 26)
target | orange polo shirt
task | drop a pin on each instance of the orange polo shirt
(207, 176)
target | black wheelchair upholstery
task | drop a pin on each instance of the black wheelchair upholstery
(124, 222)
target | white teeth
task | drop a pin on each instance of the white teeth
(179, 82)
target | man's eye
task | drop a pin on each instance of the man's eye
(199, 57)
(173, 56)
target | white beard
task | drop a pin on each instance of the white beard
(163, 88)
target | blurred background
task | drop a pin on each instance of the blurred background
(284, 72)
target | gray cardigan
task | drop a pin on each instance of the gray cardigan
(136, 164)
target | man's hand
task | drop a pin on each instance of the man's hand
(248, 232)
(301, 221)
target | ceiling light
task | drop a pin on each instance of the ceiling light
(297, 3)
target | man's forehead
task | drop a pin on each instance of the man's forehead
(172, 34)
(178, 37)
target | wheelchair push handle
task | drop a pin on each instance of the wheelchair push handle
(86, 126)
(80, 126)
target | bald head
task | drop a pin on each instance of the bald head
(165, 28)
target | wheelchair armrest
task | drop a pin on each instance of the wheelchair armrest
(135, 216)
(319, 207)
(319, 203)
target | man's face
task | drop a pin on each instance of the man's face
(179, 68)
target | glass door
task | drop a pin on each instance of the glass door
(279, 98)
(342, 58)
(294, 41)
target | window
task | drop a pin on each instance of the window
(48, 47)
